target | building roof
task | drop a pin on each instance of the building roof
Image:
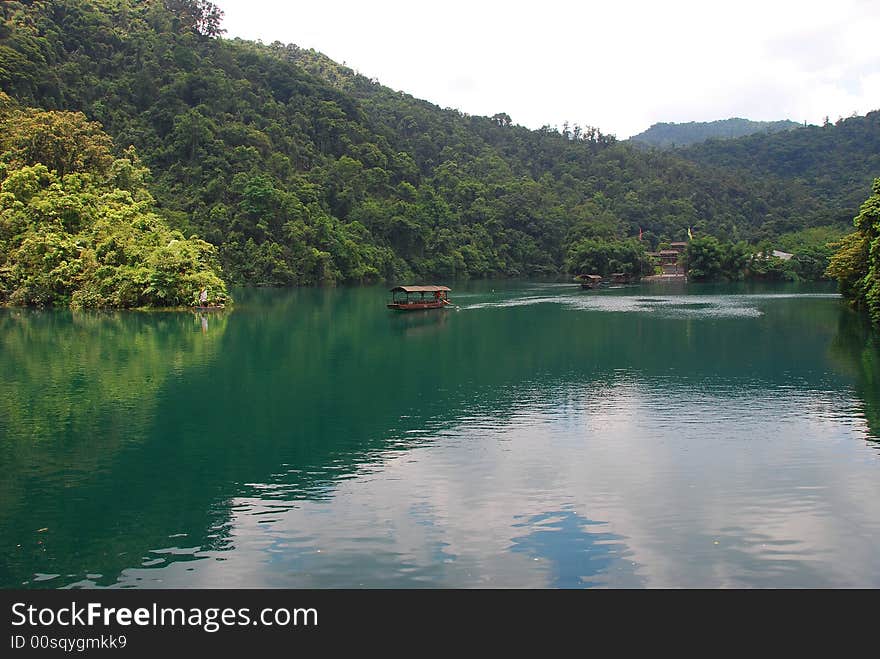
(668, 252)
(785, 256)
(680, 244)
(419, 289)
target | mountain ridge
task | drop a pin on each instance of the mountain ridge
(678, 134)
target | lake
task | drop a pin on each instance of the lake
(534, 436)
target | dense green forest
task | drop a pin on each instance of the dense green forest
(856, 264)
(665, 135)
(78, 226)
(300, 171)
(836, 161)
(710, 259)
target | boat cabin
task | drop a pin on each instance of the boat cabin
(619, 278)
(412, 298)
(589, 281)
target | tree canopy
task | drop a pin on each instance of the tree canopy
(78, 226)
(301, 171)
(693, 132)
(856, 264)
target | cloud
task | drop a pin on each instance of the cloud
(620, 66)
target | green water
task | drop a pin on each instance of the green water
(534, 436)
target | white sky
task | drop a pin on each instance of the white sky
(620, 65)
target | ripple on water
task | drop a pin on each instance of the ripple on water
(717, 306)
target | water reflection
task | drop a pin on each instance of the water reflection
(415, 323)
(579, 555)
(313, 439)
(79, 393)
(856, 351)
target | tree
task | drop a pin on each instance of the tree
(849, 266)
(502, 119)
(856, 264)
(62, 141)
(604, 257)
(734, 260)
(703, 259)
(200, 16)
(70, 236)
(810, 263)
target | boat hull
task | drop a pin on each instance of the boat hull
(416, 306)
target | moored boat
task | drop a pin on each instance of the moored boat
(589, 281)
(414, 298)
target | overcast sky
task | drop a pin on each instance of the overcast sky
(619, 65)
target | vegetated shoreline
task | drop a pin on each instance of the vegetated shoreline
(563, 280)
(300, 171)
(289, 169)
(142, 309)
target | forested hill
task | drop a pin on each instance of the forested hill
(837, 161)
(666, 135)
(303, 172)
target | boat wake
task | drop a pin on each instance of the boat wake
(715, 306)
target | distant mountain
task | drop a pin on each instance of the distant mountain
(666, 135)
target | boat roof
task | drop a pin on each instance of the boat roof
(589, 276)
(420, 289)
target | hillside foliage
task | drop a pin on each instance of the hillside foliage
(666, 135)
(78, 226)
(836, 161)
(301, 171)
(856, 264)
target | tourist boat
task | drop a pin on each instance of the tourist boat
(413, 298)
(589, 281)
